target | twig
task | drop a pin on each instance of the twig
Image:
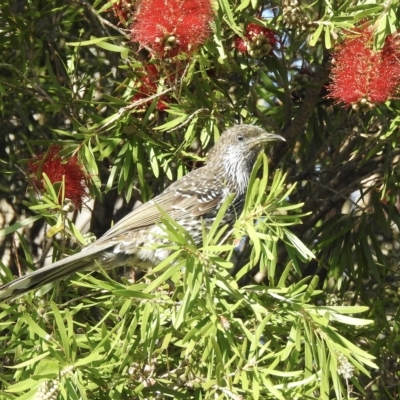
(131, 106)
(302, 116)
(191, 116)
(15, 252)
(85, 296)
(102, 20)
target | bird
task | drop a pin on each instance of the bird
(192, 201)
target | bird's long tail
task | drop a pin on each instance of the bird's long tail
(59, 270)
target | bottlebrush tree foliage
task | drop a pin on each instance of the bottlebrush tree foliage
(104, 104)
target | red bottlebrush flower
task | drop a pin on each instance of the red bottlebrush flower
(149, 87)
(240, 44)
(391, 48)
(170, 27)
(259, 42)
(362, 76)
(56, 168)
(124, 10)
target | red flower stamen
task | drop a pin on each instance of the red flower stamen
(170, 27)
(57, 170)
(259, 41)
(362, 76)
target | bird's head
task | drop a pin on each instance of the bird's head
(237, 150)
(241, 143)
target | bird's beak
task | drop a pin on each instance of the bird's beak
(269, 137)
(264, 138)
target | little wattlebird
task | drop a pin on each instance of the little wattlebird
(194, 198)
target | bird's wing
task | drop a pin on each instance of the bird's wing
(142, 217)
(192, 196)
(197, 196)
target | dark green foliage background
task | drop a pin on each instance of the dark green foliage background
(327, 281)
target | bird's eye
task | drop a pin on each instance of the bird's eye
(240, 138)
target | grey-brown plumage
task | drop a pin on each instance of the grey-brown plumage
(196, 196)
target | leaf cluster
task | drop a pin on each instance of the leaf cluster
(265, 310)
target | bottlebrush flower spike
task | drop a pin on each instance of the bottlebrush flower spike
(391, 48)
(241, 44)
(169, 27)
(259, 41)
(361, 76)
(56, 168)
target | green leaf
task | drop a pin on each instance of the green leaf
(61, 329)
(19, 225)
(315, 36)
(30, 361)
(229, 16)
(351, 320)
(328, 43)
